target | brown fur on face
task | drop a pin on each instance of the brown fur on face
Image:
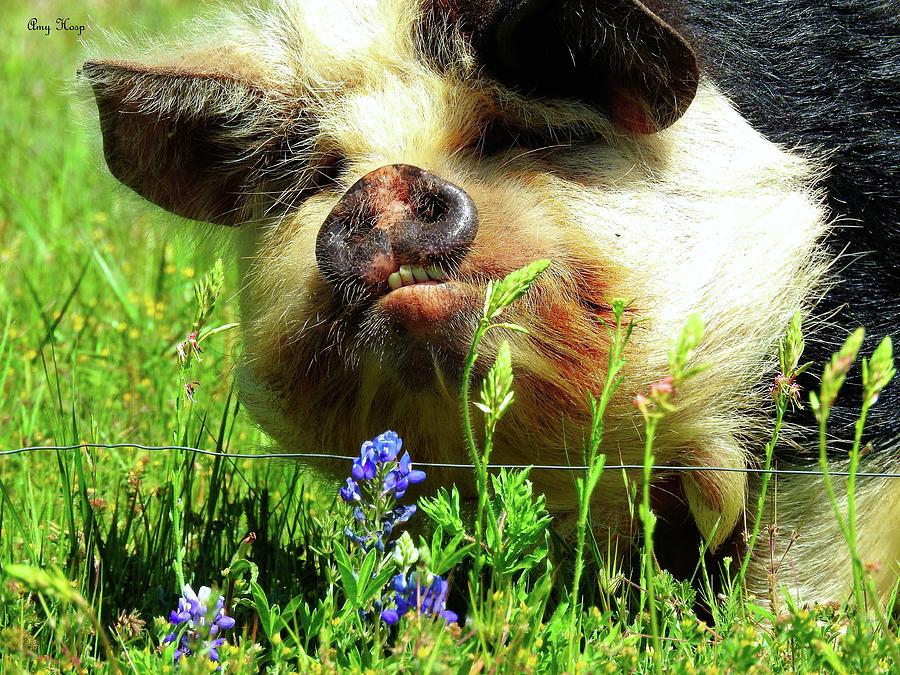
(705, 216)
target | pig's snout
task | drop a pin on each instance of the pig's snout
(396, 215)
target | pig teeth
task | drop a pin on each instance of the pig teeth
(406, 275)
(409, 275)
(434, 272)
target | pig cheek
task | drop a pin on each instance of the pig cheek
(564, 360)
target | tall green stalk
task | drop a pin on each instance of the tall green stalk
(595, 461)
(653, 406)
(780, 408)
(876, 374)
(648, 520)
(496, 398)
(499, 296)
(785, 392)
(479, 460)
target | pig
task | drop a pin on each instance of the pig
(375, 163)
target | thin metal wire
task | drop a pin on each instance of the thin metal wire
(442, 465)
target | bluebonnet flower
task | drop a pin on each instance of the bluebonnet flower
(396, 517)
(360, 540)
(377, 479)
(402, 476)
(403, 513)
(193, 631)
(387, 446)
(350, 491)
(382, 449)
(365, 466)
(428, 599)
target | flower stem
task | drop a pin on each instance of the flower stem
(648, 520)
(479, 460)
(177, 538)
(863, 584)
(780, 408)
(480, 470)
(596, 463)
(858, 573)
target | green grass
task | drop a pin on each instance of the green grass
(95, 292)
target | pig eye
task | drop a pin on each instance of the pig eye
(328, 169)
(500, 136)
(317, 174)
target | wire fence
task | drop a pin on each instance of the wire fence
(312, 456)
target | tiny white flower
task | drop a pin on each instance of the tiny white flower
(405, 551)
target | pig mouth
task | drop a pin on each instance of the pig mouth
(421, 329)
(423, 308)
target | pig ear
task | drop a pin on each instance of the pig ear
(615, 53)
(189, 139)
(717, 499)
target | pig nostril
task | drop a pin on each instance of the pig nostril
(443, 222)
(429, 205)
(360, 223)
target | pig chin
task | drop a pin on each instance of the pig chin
(423, 331)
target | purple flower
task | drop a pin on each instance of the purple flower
(395, 483)
(213, 648)
(400, 478)
(387, 446)
(390, 616)
(406, 469)
(398, 516)
(427, 599)
(401, 584)
(403, 513)
(193, 631)
(365, 466)
(191, 606)
(379, 477)
(350, 491)
(359, 540)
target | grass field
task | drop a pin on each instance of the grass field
(96, 292)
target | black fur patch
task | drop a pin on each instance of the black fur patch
(824, 75)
